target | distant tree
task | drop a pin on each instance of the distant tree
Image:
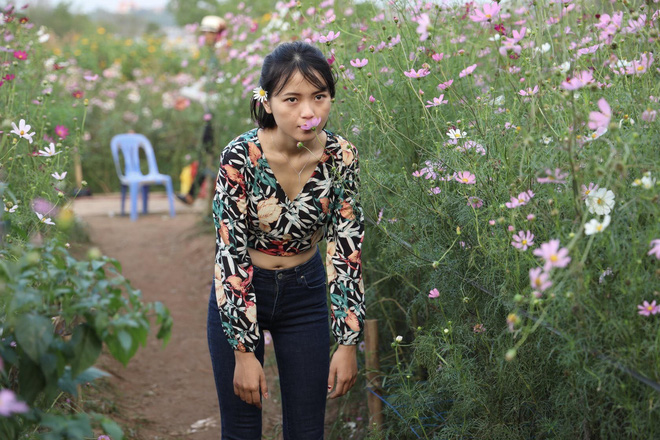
(186, 12)
(59, 19)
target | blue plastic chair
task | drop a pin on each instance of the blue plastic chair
(132, 178)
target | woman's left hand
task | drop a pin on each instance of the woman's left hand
(343, 368)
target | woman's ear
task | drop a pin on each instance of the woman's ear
(266, 105)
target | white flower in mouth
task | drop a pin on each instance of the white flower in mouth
(260, 94)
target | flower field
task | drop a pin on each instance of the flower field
(509, 163)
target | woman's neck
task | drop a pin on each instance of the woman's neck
(289, 146)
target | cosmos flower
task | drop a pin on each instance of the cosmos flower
(553, 255)
(23, 130)
(593, 226)
(49, 151)
(600, 202)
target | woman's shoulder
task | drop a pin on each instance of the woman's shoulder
(237, 151)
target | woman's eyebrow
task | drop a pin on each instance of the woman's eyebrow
(324, 90)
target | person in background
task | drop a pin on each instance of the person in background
(213, 30)
(281, 189)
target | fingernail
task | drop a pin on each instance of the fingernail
(329, 387)
(266, 395)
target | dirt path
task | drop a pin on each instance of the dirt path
(165, 392)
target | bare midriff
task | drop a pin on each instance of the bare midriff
(273, 262)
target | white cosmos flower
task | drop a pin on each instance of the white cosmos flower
(456, 134)
(45, 220)
(49, 151)
(12, 209)
(23, 130)
(59, 176)
(593, 226)
(600, 202)
(564, 67)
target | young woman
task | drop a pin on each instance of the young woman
(281, 189)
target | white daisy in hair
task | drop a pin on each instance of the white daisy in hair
(260, 94)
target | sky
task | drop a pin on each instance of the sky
(82, 6)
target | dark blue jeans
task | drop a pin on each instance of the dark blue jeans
(292, 305)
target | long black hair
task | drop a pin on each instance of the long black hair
(281, 64)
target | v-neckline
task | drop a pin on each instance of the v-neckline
(277, 182)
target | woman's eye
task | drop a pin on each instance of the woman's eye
(291, 99)
(320, 96)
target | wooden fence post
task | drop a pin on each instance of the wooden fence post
(373, 373)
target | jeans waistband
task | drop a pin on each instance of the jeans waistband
(290, 271)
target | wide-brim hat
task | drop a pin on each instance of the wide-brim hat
(212, 23)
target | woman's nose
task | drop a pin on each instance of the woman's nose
(306, 110)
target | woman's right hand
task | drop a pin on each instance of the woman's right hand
(248, 378)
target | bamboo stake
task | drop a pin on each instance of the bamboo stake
(373, 373)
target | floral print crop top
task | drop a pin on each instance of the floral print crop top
(251, 210)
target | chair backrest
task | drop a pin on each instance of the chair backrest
(130, 144)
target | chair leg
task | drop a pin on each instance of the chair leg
(134, 194)
(170, 195)
(145, 197)
(123, 198)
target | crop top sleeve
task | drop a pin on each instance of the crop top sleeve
(233, 267)
(344, 237)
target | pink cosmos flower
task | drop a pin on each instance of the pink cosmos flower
(91, 78)
(587, 190)
(479, 328)
(61, 131)
(557, 177)
(20, 55)
(640, 66)
(649, 115)
(529, 91)
(655, 248)
(330, 37)
(539, 280)
(359, 63)
(10, 405)
(444, 85)
(434, 293)
(423, 25)
(489, 12)
(523, 240)
(421, 73)
(437, 56)
(436, 101)
(578, 81)
(647, 309)
(475, 202)
(521, 200)
(602, 118)
(553, 255)
(468, 70)
(311, 124)
(466, 177)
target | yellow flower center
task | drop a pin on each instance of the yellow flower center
(599, 228)
(553, 258)
(649, 308)
(524, 242)
(262, 92)
(587, 192)
(537, 282)
(640, 68)
(465, 179)
(22, 132)
(599, 201)
(488, 16)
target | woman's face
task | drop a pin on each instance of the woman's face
(298, 103)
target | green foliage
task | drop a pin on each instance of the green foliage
(56, 312)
